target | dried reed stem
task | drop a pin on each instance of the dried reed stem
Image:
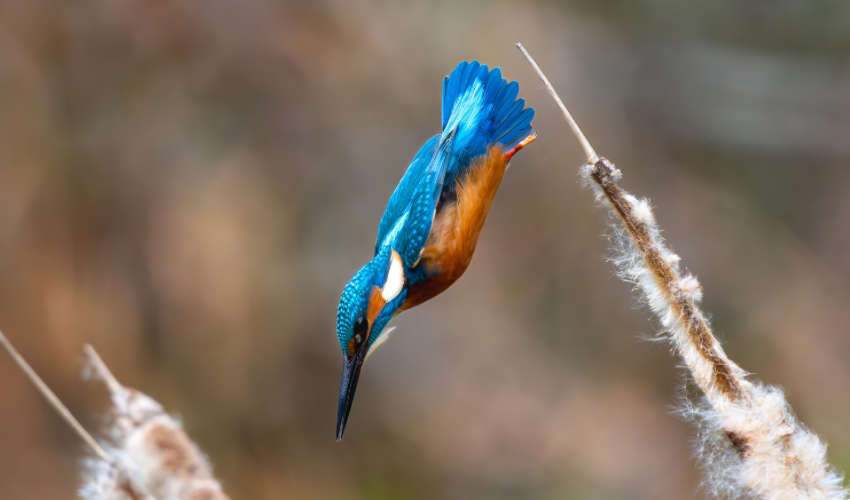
(108, 465)
(750, 444)
(153, 459)
(52, 400)
(153, 445)
(592, 157)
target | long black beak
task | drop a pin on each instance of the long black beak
(350, 375)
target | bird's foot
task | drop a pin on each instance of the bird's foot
(525, 142)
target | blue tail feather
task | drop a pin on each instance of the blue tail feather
(492, 114)
(502, 104)
(519, 129)
(510, 118)
(493, 85)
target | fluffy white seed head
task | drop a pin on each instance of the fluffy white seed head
(749, 441)
(641, 209)
(154, 458)
(750, 445)
(690, 287)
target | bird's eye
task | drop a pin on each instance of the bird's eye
(361, 328)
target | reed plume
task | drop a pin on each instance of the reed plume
(152, 445)
(149, 456)
(750, 444)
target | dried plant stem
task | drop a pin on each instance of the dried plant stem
(750, 444)
(154, 458)
(592, 157)
(109, 465)
(723, 375)
(54, 401)
(152, 444)
(101, 370)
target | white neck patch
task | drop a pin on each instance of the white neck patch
(395, 278)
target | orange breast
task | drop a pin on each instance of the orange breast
(454, 233)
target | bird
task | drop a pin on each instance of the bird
(429, 231)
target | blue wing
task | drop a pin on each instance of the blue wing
(480, 109)
(417, 226)
(401, 199)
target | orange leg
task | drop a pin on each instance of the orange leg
(525, 142)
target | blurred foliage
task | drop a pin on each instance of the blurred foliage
(813, 28)
(188, 186)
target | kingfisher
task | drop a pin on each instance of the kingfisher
(430, 228)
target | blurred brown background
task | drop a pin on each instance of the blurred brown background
(188, 185)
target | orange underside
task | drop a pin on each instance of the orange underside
(454, 233)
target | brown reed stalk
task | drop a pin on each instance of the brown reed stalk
(750, 443)
(153, 445)
(53, 400)
(150, 456)
(108, 465)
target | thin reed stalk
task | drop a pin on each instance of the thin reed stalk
(150, 457)
(152, 445)
(53, 400)
(750, 444)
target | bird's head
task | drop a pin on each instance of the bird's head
(369, 301)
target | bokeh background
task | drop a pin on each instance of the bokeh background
(188, 185)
